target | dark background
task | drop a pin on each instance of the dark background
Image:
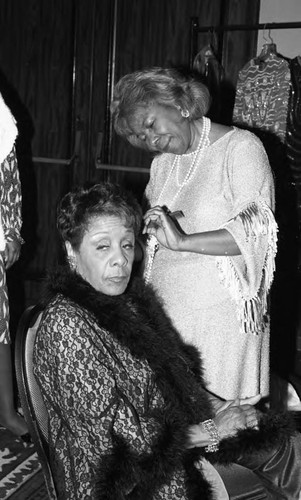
(59, 60)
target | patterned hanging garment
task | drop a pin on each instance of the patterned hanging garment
(262, 93)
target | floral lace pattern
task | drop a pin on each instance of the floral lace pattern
(10, 200)
(89, 404)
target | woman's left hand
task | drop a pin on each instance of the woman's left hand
(230, 417)
(159, 224)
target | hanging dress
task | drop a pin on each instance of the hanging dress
(262, 93)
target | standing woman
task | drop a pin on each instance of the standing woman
(10, 244)
(212, 233)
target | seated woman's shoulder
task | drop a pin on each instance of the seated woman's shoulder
(60, 307)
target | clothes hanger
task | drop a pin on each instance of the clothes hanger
(200, 63)
(268, 49)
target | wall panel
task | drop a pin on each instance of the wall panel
(36, 59)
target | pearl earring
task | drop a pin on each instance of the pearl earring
(185, 113)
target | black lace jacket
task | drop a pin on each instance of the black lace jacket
(122, 389)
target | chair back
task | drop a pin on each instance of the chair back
(32, 403)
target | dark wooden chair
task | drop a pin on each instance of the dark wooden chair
(32, 403)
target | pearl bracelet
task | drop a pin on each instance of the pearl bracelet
(211, 428)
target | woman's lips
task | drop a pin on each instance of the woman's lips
(117, 279)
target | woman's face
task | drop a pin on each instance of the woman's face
(105, 256)
(163, 129)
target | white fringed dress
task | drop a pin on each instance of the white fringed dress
(219, 304)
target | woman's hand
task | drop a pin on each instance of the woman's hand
(159, 224)
(162, 225)
(220, 405)
(230, 417)
(237, 415)
(11, 253)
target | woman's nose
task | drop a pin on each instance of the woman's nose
(151, 137)
(119, 258)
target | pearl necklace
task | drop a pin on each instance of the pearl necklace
(152, 243)
(202, 145)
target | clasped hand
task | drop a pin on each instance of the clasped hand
(230, 417)
(159, 224)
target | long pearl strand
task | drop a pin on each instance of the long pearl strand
(152, 243)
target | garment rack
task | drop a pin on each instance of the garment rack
(195, 29)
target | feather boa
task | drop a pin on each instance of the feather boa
(137, 320)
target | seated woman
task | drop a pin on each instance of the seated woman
(129, 414)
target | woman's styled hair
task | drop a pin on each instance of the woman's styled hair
(83, 204)
(167, 87)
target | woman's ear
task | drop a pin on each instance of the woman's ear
(71, 258)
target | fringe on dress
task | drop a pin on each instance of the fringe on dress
(249, 279)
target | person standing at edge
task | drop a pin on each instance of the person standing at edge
(10, 245)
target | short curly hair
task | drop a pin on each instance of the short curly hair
(83, 204)
(163, 86)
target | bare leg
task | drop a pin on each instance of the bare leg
(9, 418)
